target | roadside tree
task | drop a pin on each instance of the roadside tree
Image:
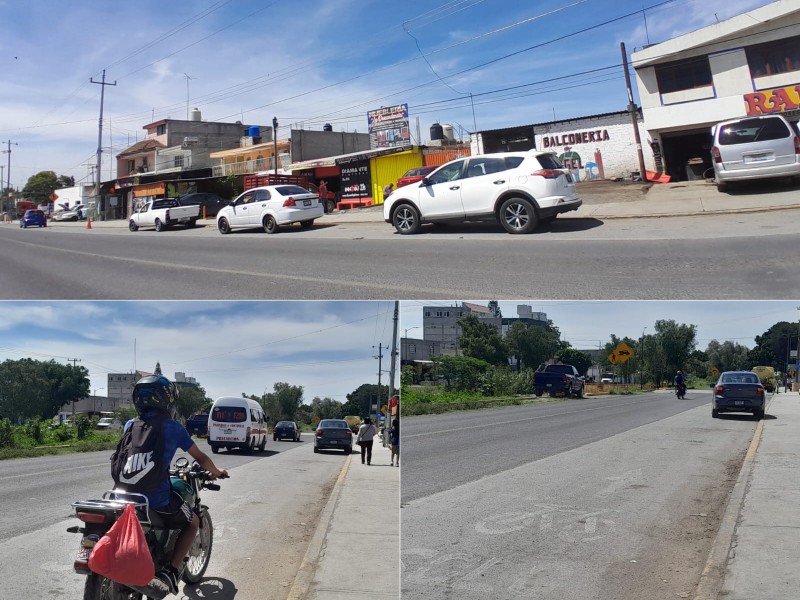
(532, 346)
(40, 186)
(481, 340)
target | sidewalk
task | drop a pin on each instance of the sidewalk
(355, 551)
(757, 550)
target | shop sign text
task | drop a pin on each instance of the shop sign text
(776, 100)
(581, 137)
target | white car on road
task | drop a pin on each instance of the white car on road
(517, 189)
(270, 207)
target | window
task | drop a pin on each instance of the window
(412, 348)
(161, 129)
(131, 166)
(178, 161)
(747, 131)
(683, 75)
(427, 313)
(771, 58)
(450, 172)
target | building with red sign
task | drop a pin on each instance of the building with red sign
(746, 65)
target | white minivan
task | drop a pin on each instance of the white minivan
(237, 423)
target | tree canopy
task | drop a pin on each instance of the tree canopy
(481, 340)
(32, 389)
(40, 186)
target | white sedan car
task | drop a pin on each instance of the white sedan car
(519, 190)
(270, 207)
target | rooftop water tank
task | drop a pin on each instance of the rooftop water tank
(254, 131)
(437, 133)
(448, 132)
(196, 114)
(327, 127)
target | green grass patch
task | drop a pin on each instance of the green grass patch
(424, 400)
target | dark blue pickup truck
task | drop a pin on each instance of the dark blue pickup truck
(197, 424)
(558, 379)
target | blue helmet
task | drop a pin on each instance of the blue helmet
(155, 391)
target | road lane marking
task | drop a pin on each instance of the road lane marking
(37, 473)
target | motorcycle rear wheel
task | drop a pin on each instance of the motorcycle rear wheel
(200, 552)
(99, 588)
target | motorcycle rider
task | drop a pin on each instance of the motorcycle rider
(680, 380)
(155, 397)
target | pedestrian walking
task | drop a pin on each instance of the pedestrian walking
(366, 432)
(394, 440)
(322, 190)
(387, 189)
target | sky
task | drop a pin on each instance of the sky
(328, 348)
(589, 324)
(475, 64)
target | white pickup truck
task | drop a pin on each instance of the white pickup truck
(163, 213)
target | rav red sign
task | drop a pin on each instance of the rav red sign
(776, 100)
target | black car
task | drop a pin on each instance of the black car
(333, 433)
(209, 203)
(286, 430)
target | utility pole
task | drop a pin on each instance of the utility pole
(380, 372)
(8, 170)
(632, 109)
(275, 143)
(392, 371)
(74, 362)
(103, 85)
(187, 94)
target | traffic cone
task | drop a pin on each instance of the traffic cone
(88, 222)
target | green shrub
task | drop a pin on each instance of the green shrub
(83, 426)
(6, 434)
(34, 431)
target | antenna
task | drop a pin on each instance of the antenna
(187, 94)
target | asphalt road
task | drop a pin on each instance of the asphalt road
(264, 517)
(715, 257)
(601, 498)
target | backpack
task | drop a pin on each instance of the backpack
(137, 464)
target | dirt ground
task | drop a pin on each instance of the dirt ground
(603, 191)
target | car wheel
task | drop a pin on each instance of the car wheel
(159, 225)
(270, 224)
(517, 215)
(406, 219)
(263, 444)
(274, 438)
(133, 226)
(223, 226)
(722, 187)
(580, 393)
(215, 449)
(316, 450)
(306, 224)
(191, 223)
(759, 414)
(714, 413)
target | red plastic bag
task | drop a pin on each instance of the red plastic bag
(122, 554)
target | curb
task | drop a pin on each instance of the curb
(713, 575)
(305, 574)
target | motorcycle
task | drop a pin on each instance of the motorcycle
(98, 515)
(680, 390)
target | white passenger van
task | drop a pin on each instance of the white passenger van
(237, 423)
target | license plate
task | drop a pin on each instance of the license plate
(335, 442)
(739, 402)
(306, 202)
(549, 385)
(753, 158)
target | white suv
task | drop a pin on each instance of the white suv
(517, 189)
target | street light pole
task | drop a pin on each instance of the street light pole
(275, 142)
(405, 337)
(641, 362)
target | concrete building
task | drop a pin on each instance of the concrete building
(593, 147)
(746, 65)
(173, 145)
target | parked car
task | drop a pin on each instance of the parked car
(163, 213)
(414, 175)
(286, 429)
(755, 148)
(33, 217)
(517, 189)
(270, 207)
(333, 433)
(738, 391)
(210, 204)
(76, 213)
(109, 424)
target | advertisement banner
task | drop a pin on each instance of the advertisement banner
(356, 181)
(388, 126)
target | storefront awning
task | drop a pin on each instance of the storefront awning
(343, 159)
(149, 189)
